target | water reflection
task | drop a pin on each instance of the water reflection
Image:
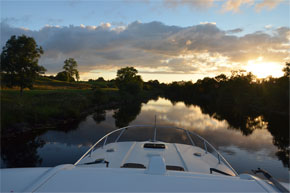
(21, 152)
(126, 114)
(99, 116)
(256, 143)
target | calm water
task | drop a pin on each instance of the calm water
(58, 147)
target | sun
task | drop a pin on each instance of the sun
(263, 69)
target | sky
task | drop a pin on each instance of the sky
(167, 40)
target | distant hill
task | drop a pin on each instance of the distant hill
(45, 83)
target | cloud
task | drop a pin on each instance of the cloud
(233, 31)
(268, 26)
(105, 25)
(227, 5)
(234, 5)
(204, 49)
(268, 4)
(197, 4)
(206, 22)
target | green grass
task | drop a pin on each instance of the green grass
(43, 106)
(45, 83)
(51, 102)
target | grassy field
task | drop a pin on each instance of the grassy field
(42, 106)
(49, 102)
(44, 83)
(50, 108)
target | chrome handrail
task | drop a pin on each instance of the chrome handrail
(205, 142)
(105, 136)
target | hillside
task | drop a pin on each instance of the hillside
(44, 83)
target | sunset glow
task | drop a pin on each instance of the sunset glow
(263, 69)
(168, 40)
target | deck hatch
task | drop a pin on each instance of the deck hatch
(133, 165)
(176, 168)
(154, 145)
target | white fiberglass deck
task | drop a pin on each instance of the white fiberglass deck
(194, 155)
(187, 157)
(138, 166)
(69, 178)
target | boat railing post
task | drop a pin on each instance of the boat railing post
(155, 132)
(187, 133)
(205, 147)
(121, 133)
(99, 141)
(91, 152)
(219, 158)
(105, 141)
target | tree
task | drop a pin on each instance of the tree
(128, 81)
(70, 66)
(286, 69)
(221, 78)
(101, 79)
(19, 62)
(64, 76)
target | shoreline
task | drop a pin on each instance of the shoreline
(65, 108)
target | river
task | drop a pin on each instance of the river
(244, 152)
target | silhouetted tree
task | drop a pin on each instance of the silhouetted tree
(246, 104)
(128, 81)
(64, 76)
(70, 66)
(19, 62)
(101, 79)
(151, 84)
(286, 70)
(221, 77)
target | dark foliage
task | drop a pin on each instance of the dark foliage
(64, 76)
(245, 102)
(19, 62)
(128, 81)
(70, 67)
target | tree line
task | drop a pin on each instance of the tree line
(241, 90)
(19, 64)
(19, 67)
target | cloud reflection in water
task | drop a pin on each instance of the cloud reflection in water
(243, 152)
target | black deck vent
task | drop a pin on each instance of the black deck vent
(154, 145)
(176, 168)
(133, 165)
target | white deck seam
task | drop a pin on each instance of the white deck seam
(128, 154)
(181, 158)
(46, 177)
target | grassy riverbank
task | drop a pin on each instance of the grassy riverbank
(43, 107)
(51, 108)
